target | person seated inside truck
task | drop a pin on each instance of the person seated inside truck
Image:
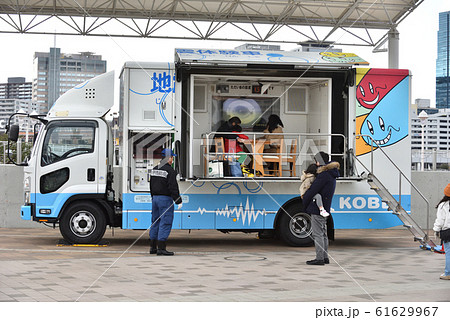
(228, 126)
(231, 138)
(275, 125)
(235, 146)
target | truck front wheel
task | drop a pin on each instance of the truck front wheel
(83, 223)
(294, 227)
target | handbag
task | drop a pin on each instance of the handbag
(445, 235)
(215, 169)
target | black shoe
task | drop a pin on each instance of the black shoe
(161, 252)
(153, 246)
(315, 262)
(162, 249)
(326, 261)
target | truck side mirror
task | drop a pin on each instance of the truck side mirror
(13, 132)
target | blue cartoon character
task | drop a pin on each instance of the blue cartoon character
(387, 123)
(342, 57)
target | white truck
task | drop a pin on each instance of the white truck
(328, 102)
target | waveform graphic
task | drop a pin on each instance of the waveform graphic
(246, 215)
(201, 210)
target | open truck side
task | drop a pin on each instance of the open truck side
(325, 102)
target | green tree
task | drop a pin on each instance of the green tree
(26, 149)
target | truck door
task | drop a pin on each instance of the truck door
(67, 164)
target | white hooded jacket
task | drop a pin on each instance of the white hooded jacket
(442, 217)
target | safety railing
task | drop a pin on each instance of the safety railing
(297, 150)
(401, 174)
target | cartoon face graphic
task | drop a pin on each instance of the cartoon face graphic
(368, 95)
(278, 57)
(388, 122)
(341, 57)
(373, 87)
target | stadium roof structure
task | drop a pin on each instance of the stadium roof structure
(340, 22)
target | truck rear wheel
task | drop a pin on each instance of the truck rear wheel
(83, 223)
(294, 227)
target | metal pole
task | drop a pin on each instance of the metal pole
(393, 48)
(422, 154)
(371, 157)
(19, 151)
(434, 159)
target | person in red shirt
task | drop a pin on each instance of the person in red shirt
(233, 145)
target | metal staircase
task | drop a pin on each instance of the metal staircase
(393, 204)
(396, 208)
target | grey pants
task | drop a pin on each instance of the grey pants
(318, 199)
(319, 234)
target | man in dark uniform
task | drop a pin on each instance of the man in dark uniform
(324, 184)
(164, 191)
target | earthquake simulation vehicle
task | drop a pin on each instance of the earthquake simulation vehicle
(85, 174)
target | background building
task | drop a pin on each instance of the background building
(56, 72)
(16, 88)
(436, 140)
(443, 62)
(311, 46)
(256, 46)
(15, 95)
(11, 106)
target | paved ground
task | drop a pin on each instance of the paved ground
(366, 265)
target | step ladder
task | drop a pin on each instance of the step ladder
(396, 208)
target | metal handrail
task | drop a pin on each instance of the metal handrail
(401, 174)
(257, 135)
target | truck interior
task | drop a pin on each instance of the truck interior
(311, 104)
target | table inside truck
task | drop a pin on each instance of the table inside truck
(256, 148)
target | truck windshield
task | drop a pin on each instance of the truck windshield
(67, 141)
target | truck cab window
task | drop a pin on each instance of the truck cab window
(62, 142)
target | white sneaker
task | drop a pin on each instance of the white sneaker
(444, 277)
(324, 213)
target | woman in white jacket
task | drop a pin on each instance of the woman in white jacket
(443, 223)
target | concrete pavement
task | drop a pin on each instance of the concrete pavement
(366, 265)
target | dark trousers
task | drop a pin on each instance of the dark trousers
(162, 217)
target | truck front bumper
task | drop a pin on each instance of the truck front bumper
(25, 212)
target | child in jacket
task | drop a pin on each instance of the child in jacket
(443, 223)
(307, 178)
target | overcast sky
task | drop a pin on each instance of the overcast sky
(418, 49)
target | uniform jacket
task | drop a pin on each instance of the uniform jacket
(324, 184)
(442, 217)
(307, 180)
(163, 182)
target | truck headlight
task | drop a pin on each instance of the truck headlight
(26, 197)
(27, 184)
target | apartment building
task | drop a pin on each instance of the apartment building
(56, 73)
(436, 138)
(16, 88)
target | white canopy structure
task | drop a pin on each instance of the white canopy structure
(292, 21)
